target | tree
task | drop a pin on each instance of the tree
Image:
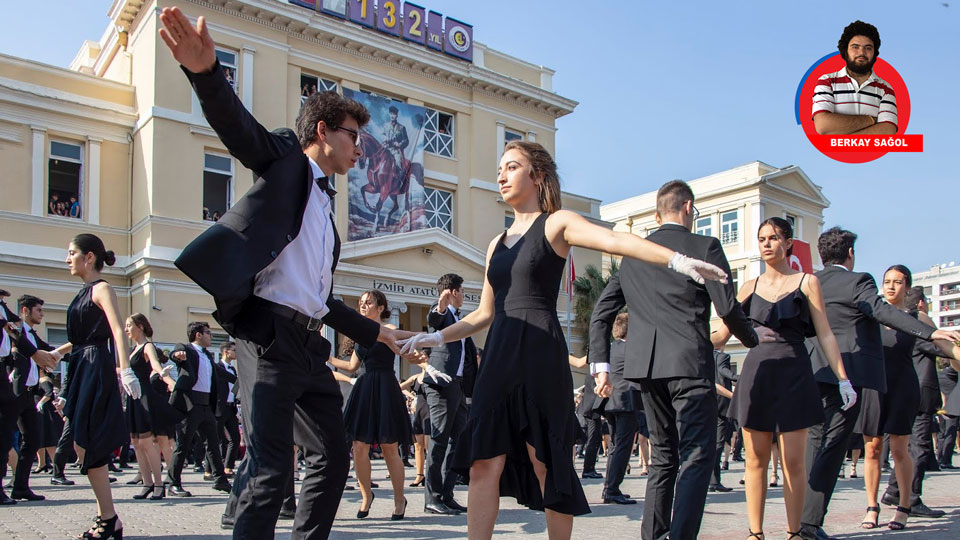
(586, 291)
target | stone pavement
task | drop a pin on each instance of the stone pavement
(68, 510)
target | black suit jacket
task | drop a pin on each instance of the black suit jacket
(447, 357)
(855, 311)
(669, 312)
(725, 378)
(259, 226)
(181, 398)
(6, 387)
(20, 366)
(222, 379)
(925, 363)
(591, 403)
(948, 383)
(626, 394)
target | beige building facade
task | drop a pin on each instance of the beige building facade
(941, 286)
(732, 205)
(116, 145)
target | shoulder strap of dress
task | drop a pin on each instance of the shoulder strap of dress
(755, 283)
(801, 280)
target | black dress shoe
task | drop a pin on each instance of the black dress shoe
(922, 510)
(948, 466)
(208, 477)
(810, 532)
(591, 475)
(26, 495)
(178, 491)
(5, 500)
(451, 503)
(112, 479)
(617, 499)
(719, 488)
(440, 508)
(226, 522)
(61, 481)
(222, 485)
(889, 499)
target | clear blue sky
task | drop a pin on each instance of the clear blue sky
(685, 89)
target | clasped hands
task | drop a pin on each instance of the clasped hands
(409, 348)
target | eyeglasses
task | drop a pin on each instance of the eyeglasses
(355, 134)
(696, 213)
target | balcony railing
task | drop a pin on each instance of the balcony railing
(729, 237)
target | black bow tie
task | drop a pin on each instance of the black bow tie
(324, 183)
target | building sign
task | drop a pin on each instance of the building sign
(418, 290)
(403, 20)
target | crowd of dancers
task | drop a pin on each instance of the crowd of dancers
(829, 357)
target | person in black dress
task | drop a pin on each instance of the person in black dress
(376, 411)
(893, 412)
(151, 420)
(98, 344)
(421, 422)
(51, 423)
(520, 428)
(777, 395)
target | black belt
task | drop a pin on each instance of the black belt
(200, 398)
(310, 323)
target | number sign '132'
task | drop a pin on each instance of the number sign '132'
(414, 23)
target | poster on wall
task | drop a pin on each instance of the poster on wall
(385, 188)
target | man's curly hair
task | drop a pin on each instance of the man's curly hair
(859, 28)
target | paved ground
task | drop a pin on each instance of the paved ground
(68, 510)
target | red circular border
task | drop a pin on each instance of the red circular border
(835, 63)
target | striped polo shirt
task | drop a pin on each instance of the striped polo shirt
(839, 93)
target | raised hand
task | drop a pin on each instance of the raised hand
(699, 270)
(191, 46)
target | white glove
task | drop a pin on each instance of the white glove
(435, 373)
(40, 406)
(59, 403)
(696, 269)
(353, 381)
(130, 382)
(165, 371)
(847, 394)
(420, 341)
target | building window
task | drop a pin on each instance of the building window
(507, 220)
(792, 220)
(64, 180)
(228, 60)
(310, 85)
(509, 135)
(217, 185)
(946, 322)
(735, 278)
(949, 288)
(704, 226)
(439, 209)
(439, 133)
(729, 227)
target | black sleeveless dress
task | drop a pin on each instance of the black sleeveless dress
(93, 391)
(524, 390)
(151, 413)
(892, 412)
(777, 390)
(51, 423)
(421, 413)
(376, 410)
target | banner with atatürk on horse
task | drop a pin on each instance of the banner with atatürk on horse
(386, 186)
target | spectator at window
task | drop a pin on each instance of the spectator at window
(216, 215)
(52, 205)
(74, 208)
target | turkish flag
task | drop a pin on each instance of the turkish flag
(801, 259)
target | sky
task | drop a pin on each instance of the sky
(686, 89)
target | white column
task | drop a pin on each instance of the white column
(532, 136)
(501, 140)
(39, 151)
(246, 77)
(396, 308)
(93, 181)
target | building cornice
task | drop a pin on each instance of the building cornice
(417, 239)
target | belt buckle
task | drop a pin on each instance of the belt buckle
(314, 325)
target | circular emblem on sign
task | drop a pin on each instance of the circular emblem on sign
(459, 38)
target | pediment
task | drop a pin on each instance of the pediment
(430, 252)
(795, 181)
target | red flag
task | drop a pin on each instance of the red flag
(801, 259)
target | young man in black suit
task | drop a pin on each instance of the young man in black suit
(724, 385)
(277, 249)
(8, 400)
(670, 355)
(950, 419)
(621, 413)
(855, 311)
(227, 420)
(445, 398)
(196, 394)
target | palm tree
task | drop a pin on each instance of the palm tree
(586, 291)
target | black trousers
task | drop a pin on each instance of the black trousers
(947, 438)
(8, 423)
(28, 421)
(682, 416)
(447, 419)
(65, 450)
(724, 432)
(287, 390)
(594, 430)
(624, 427)
(921, 449)
(738, 446)
(199, 422)
(229, 429)
(826, 450)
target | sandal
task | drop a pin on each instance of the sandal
(793, 535)
(757, 535)
(897, 525)
(104, 528)
(876, 520)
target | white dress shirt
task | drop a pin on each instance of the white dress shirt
(229, 367)
(34, 377)
(4, 344)
(300, 277)
(204, 371)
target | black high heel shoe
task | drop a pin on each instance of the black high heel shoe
(104, 528)
(147, 490)
(364, 513)
(418, 481)
(398, 517)
(159, 492)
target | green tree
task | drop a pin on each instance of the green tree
(586, 291)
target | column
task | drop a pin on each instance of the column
(246, 77)
(396, 308)
(532, 136)
(92, 210)
(501, 141)
(39, 151)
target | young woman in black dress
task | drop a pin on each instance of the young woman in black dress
(151, 420)
(893, 412)
(376, 411)
(520, 429)
(99, 346)
(777, 395)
